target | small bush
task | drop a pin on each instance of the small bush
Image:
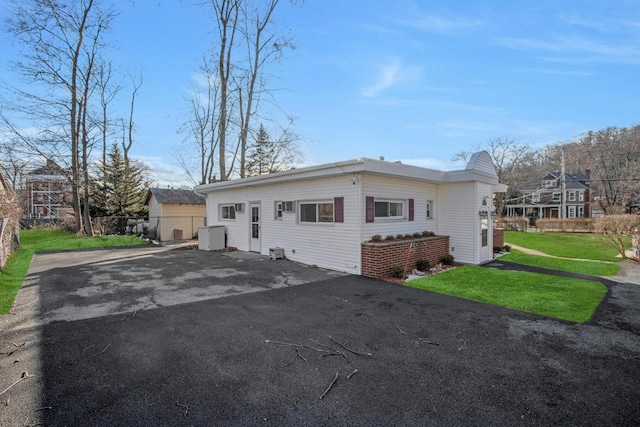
(417, 234)
(376, 238)
(408, 236)
(497, 249)
(447, 259)
(423, 265)
(398, 272)
(507, 248)
(399, 236)
(390, 238)
(426, 233)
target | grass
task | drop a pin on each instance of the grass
(571, 245)
(31, 241)
(563, 298)
(593, 268)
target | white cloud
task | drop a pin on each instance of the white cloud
(386, 78)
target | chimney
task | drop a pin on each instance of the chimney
(587, 194)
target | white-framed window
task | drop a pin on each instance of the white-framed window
(392, 209)
(556, 196)
(316, 211)
(228, 211)
(279, 207)
(549, 182)
(572, 196)
(535, 197)
(572, 211)
(429, 209)
(581, 196)
(580, 212)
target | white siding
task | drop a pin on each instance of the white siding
(386, 188)
(335, 246)
(459, 219)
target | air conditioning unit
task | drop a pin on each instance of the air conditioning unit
(289, 206)
(240, 207)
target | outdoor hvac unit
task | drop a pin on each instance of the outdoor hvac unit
(211, 238)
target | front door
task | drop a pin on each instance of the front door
(255, 228)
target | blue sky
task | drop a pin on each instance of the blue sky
(416, 81)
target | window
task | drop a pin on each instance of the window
(572, 196)
(278, 210)
(535, 197)
(572, 211)
(556, 196)
(429, 209)
(316, 212)
(580, 212)
(228, 212)
(389, 209)
(549, 182)
(581, 196)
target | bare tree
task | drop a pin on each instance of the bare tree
(126, 146)
(108, 91)
(245, 45)
(508, 155)
(62, 40)
(614, 155)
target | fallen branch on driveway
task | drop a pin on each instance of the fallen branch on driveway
(330, 385)
(358, 353)
(24, 376)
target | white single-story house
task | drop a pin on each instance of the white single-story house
(323, 215)
(174, 213)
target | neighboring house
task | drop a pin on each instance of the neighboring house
(175, 214)
(9, 225)
(48, 192)
(546, 199)
(322, 215)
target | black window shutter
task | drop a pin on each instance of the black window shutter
(370, 209)
(338, 207)
(411, 209)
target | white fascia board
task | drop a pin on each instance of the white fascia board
(356, 166)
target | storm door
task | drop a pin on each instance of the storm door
(255, 228)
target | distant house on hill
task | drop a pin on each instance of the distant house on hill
(175, 214)
(48, 192)
(550, 197)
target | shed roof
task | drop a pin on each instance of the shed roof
(175, 196)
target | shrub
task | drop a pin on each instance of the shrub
(447, 259)
(408, 236)
(399, 236)
(390, 238)
(497, 249)
(417, 234)
(423, 265)
(507, 248)
(376, 238)
(426, 233)
(398, 272)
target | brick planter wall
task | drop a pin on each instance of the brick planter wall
(378, 259)
(498, 237)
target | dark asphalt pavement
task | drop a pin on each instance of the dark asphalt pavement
(265, 358)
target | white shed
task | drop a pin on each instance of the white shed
(321, 215)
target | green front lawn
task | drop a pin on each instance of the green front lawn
(32, 241)
(564, 298)
(570, 245)
(592, 268)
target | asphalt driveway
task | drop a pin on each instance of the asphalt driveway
(183, 337)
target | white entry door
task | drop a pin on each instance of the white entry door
(255, 228)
